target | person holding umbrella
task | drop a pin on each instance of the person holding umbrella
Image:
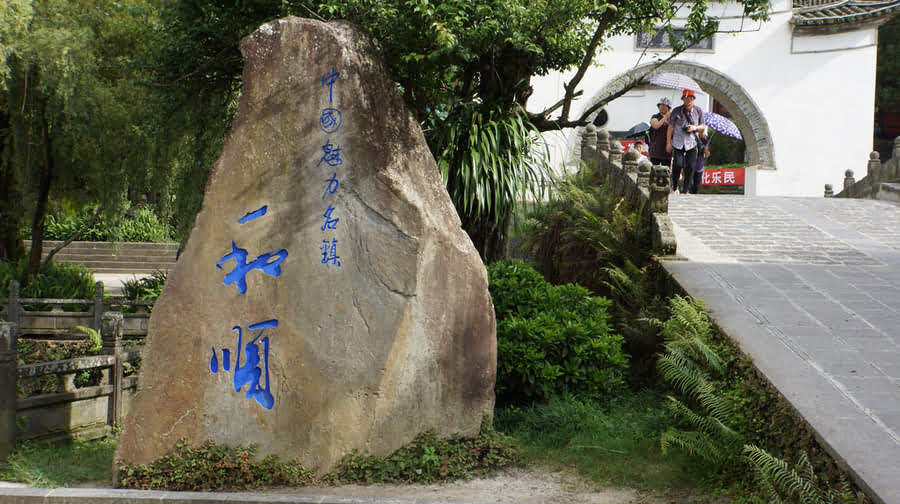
(682, 140)
(658, 127)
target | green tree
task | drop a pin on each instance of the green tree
(464, 68)
(71, 108)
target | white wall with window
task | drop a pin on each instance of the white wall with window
(814, 90)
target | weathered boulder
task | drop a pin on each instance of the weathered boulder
(327, 299)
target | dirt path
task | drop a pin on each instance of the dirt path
(515, 485)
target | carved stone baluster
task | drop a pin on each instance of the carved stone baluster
(659, 189)
(848, 183)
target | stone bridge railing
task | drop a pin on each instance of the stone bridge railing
(645, 185)
(69, 411)
(882, 180)
(57, 322)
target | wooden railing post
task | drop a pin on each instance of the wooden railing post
(8, 389)
(112, 328)
(98, 305)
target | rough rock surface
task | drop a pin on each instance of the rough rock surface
(386, 332)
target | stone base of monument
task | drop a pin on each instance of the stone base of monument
(327, 299)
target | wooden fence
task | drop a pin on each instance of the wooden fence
(69, 411)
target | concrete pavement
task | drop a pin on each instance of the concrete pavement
(810, 290)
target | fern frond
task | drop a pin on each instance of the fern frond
(693, 443)
(787, 481)
(683, 374)
(708, 425)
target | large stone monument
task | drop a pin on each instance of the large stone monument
(327, 299)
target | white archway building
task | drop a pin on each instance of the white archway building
(800, 87)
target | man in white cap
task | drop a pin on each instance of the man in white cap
(658, 126)
(686, 125)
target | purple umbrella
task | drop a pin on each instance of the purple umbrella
(674, 81)
(722, 125)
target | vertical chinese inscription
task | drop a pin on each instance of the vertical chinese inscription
(254, 371)
(330, 121)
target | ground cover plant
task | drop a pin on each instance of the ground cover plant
(210, 466)
(428, 459)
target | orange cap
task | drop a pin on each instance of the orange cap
(687, 92)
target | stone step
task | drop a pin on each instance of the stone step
(107, 266)
(79, 245)
(132, 257)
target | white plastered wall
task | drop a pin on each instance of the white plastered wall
(816, 93)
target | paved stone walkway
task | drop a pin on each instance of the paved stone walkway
(810, 289)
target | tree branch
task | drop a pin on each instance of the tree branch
(71, 238)
(602, 25)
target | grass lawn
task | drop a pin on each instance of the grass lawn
(613, 444)
(63, 464)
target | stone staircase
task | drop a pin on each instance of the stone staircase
(118, 258)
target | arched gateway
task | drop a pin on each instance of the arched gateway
(746, 114)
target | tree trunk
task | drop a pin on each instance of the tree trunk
(490, 239)
(11, 246)
(40, 210)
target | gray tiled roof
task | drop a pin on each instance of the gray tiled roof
(829, 12)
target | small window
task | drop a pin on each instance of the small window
(660, 40)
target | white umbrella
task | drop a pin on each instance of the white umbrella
(674, 81)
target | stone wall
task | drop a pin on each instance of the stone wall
(645, 185)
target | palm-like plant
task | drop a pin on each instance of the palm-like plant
(492, 161)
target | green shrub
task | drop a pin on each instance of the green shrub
(137, 224)
(56, 281)
(428, 459)
(146, 288)
(63, 227)
(210, 466)
(551, 339)
(583, 229)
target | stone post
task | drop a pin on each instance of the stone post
(873, 171)
(659, 189)
(848, 183)
(112, 328)
(630, 161)
(98, 304)
(643, 178)
(603, 140)
(9, 374)
(589, 146)
(615, 155)
(602, 155)
(829, 191)
(14, 306)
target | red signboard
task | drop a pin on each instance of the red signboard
(626, 144)
(723, 176)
